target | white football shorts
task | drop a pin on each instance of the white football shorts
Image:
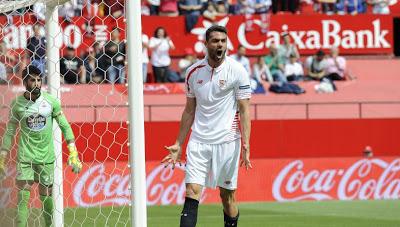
(213, 165)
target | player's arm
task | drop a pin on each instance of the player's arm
(186, 120)
(245, 123)
(8, 139)
(243, 95)
(73, 159)
(175, 150)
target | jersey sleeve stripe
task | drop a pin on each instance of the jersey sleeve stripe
(190, 74)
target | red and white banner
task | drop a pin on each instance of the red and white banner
(107, 183)
(361, 34)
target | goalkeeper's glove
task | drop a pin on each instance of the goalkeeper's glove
(3, 156)
(73, 159)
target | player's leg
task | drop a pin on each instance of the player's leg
(24, 184)
(190, 208)
(44, 176)
(24, 193)
(226, 165)
(198, 162)
(231, 211)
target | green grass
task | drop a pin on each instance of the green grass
(311, 214)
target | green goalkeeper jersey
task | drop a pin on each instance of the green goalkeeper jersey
(35, 120)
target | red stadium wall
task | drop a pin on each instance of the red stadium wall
(293, 160)
(269, 139)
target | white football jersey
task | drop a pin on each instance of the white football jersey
(216, 91)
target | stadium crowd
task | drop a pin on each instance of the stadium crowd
(105, 62)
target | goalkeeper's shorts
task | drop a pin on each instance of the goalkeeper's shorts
(213, 165)
(39, 173)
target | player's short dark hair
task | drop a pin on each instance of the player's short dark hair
(30, 70)
(215, 28)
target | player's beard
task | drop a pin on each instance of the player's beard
(34, 91)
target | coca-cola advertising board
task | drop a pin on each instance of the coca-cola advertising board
(106, 184)
(361, 34)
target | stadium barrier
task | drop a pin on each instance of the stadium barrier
(361, 34)
(101, 184)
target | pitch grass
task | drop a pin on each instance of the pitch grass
(384, 213)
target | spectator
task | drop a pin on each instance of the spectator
(315, 65)
(66, 11)
(9, 60)
(221, 8)
(245, 7)
(328, 7)
(91, 73)
(71, 68)
(115, 58)
(160, 44)
(353, 6)
(168, 8)
(191, 9)
(154, 6)
(189, 59)
(287, 48)
(37, 49)
(261, 70)
(145, 56)
(380, 6)
(114, 8)
(97, 49)
(335, 65)
(293, 69)
(261, 6)
(285, 5)
(240, 57)
(210, 12)
(145, 8)
(275, 64)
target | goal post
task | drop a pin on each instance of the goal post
(136, 115)
(53, 75)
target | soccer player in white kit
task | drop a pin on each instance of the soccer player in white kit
(218, 95)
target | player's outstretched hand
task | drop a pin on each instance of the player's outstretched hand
(246, 157)
(73, 159)
(3, 156)
(174, 155)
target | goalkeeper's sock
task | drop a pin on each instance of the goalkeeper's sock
(230, 221)
(189, 213)
(48, 207)
(22, 208)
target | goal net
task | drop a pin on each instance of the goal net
(94, 98)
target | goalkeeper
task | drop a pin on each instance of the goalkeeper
(34, 112)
